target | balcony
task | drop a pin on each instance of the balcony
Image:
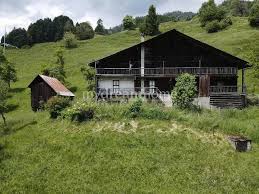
(167, 71)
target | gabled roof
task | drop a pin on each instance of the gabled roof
(56, 85)
(241, 63)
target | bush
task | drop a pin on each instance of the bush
(209, 12)
(135, 108)
(225, 23)
(213, 26)
(80, 111)
(254, 15)
(184, 91)
(70, 40)
(56, 105)
(84, 31)
(253, 100)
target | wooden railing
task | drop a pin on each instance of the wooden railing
(168, 71)
(223, 89)
(127, 91)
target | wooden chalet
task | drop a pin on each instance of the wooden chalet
(153, 65)
(44, 87)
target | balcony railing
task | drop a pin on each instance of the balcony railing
(168, 71)
(128, 91)
(223, 89)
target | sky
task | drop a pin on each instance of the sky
(20, 13)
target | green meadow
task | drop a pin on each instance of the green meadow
(162, 151)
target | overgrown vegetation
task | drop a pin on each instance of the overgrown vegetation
(56, 105)
(80, 111)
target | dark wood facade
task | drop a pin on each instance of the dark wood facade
(43, 88)
(163, 58)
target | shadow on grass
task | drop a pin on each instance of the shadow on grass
(13, 91)
(11, 107)
(17, 90)
(8, 130)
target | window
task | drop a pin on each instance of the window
(116, 86)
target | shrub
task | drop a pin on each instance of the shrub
(254, 15)
(253, 100)
(209, 12)
(56, 105)
(213, 26)
(80, 111)
(70, 40)
(184, 91)
(225, 22)
(135, 107)
(84, 31)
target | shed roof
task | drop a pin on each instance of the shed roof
(55, 84)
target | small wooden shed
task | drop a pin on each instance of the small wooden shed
(44, 87)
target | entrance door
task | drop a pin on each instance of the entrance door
(204, 86)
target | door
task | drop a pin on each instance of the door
(204, 86)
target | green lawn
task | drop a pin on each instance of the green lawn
(115, 154)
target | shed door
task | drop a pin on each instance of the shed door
(204, 86)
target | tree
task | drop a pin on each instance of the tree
(151, 24)
(7, 70)
(18, 37)
(59, 26)
(69, 27)
(41, 31)
(128, 23)
(70, 40)
(184, 91)
(84, 31)
(3, 97)
(210, 12)
(239, 8)
(100, 28)
(254, 15)
(89, 75)
(57, 69)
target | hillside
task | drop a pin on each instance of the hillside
(117, 154)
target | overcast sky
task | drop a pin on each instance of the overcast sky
(20, 13)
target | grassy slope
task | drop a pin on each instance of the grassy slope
(39, 155)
